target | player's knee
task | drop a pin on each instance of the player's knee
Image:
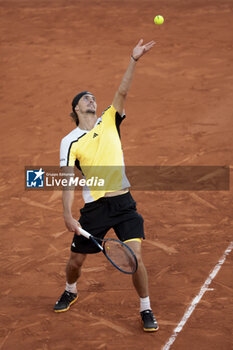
(138, 254)
(76, 260)
(136, 248)
(139, 258)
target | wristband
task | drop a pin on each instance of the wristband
(134, 58)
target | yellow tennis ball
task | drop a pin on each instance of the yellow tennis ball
(158, 20)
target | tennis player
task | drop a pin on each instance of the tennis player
(93, 143)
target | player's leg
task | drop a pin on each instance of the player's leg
(79, 248)
(92, 218)
(140, 278)
(129, 229)
(73, 272)
(73, 267)
(140, 282)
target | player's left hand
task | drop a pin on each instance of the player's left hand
(141, 49)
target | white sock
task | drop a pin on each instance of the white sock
(71, 287)
(145, 304)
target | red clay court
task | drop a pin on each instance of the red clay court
(179, 112)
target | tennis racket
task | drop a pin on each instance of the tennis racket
(118, 253)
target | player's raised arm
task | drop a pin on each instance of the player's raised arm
(120, 96)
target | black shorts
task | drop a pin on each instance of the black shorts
(98, 217)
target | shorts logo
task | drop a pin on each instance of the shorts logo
(35, 178)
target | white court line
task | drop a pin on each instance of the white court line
(196, 300)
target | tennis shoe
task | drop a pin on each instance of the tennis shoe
(65, 301)
(149, 322)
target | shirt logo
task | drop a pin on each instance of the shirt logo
(35, 178)
(95, 135)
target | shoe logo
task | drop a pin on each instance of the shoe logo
(95, 135)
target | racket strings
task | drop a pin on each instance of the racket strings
(120, 255)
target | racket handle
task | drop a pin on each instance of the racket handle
(84, 233)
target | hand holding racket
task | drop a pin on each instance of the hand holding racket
(118, 253)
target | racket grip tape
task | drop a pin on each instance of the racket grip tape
(84, 233)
